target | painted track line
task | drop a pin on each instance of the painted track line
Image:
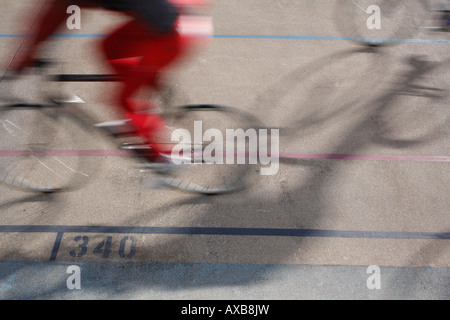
(212, 231)
(363, 157)
(277, 232)
(265, 37)
(282, 155)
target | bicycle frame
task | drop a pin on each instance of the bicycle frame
(233, 181)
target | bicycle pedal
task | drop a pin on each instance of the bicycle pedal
(161, 168)
(117, 128)
(73, 99)
(135, 146)
(142, 150)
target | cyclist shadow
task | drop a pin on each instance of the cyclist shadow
(299, 199)
(381, 113)
(325, 101)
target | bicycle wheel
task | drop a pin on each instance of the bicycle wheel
(39, 149)
(212, 146)
(379, 22)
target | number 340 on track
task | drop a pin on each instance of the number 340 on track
(103, 247)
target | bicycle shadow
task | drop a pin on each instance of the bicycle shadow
(309, 193)
(322, 112)
(375, 128)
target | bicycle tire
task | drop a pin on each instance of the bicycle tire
(39, 149)
(206, 176)
(399, 20)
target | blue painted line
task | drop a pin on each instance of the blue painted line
(265, 232)
(375, 40)
(279, 37)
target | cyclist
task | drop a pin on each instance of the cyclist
(138, 51)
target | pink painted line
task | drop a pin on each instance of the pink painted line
(300, 156)
(65, 153)
(334, 156)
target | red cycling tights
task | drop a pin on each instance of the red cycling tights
(135, 51)
(139, 55)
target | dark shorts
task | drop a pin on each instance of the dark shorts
(161, 14)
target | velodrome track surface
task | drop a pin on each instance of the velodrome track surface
(350, 192)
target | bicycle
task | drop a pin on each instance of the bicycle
(51, 145)
(378, 23)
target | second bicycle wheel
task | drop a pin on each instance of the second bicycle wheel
(379, 22)
(39, 149)
(213, 149)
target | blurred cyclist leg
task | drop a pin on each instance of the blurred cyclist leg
(139, 55)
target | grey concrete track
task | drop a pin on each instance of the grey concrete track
(356, 187)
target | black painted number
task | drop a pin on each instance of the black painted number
(131, 247)
(82, 248)
(104, 247)
(127, 248)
